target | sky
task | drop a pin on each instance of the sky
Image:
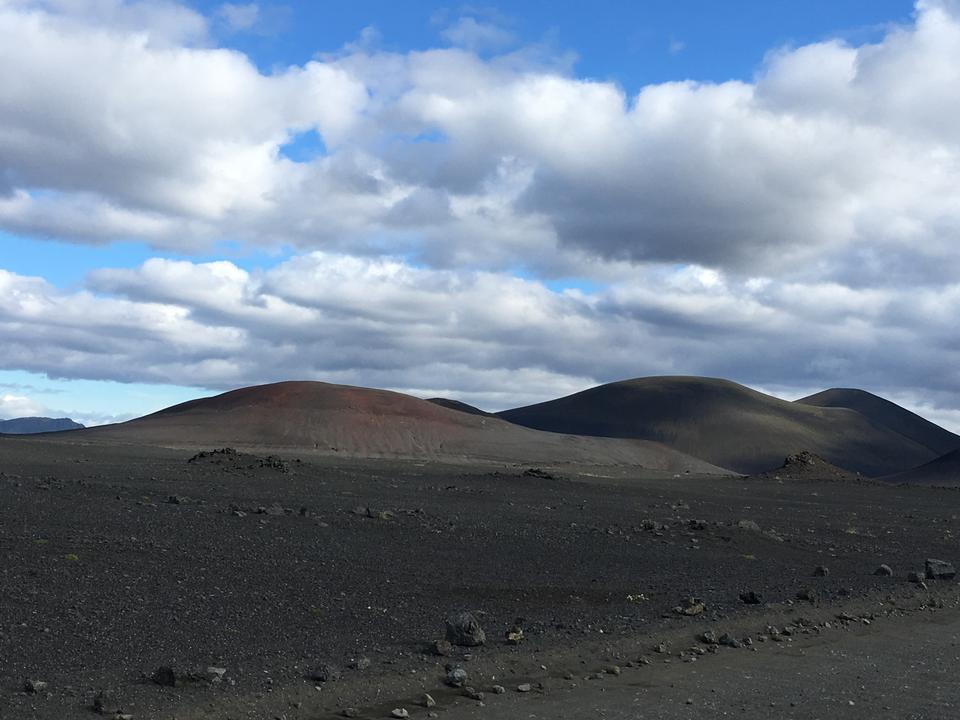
(500, 203)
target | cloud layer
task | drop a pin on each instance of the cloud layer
(795, 231)
(837, 159)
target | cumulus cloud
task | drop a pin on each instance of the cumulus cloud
(16, 406)
(838, 160)
(488, 338)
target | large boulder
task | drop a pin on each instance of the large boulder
(940, 570)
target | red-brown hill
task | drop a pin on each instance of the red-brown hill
(726, 424)
(353, 421)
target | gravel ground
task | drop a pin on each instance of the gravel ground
(115, 561)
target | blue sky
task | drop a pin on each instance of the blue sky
(569, 176)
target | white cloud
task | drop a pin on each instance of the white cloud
(839, 161)
(477, 35)
(239, 17)
(804, 226)
(488, 338)
(16, 406)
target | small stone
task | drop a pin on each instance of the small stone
(612, 670)
(473, 693)
(808, 594)
(362, 664)
(165, 676)
(661, 648)
(940, 570)
(427, 701)
(917, 577)
(690, 607)
(498, 689)
(884, 571)
(821, 571)
(456, 676)
(729, 641)
(709, 637)
(350, 712)
(751, 597)
(399, 713)
(749, 526)
(463, 629)
(215, 674)
(524, 687)
(34, 686)
(443, 648)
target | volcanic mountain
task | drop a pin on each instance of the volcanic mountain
(726, 424)
(890, 415)
(31, 425)
(944, 471)
(326, 419)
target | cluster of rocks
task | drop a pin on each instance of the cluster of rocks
(933, 570)
(231, 459)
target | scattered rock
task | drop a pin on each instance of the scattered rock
(940, 570)
(751, 597)
(215, 674)
(177, 500)
(728, 640)
(524, 687)
(463, 629)
(34, 686)
(456, 676)
(821, 571)
(350, 712)
(884, 571)
(709, 637)
(399, 713)
(443, 648)
(612, 670)
(165, 676)
(538, 473)
(514, 634)
(807, 594)
(473, 693)
(690, 607)
(749, 526)
(498, 689)
(917, 577)
(427, 701)
(661, 648)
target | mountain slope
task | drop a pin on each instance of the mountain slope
(945, 471)
(890, 415)
(726, 424)
(457, 405)
(323, 418)
(30, 425)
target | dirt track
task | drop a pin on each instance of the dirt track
(103, 579)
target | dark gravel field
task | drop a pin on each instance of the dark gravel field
(117, 561)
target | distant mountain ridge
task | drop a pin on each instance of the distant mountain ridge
(888, 414)
(31, 425)
(348, 421)
(727, 424)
